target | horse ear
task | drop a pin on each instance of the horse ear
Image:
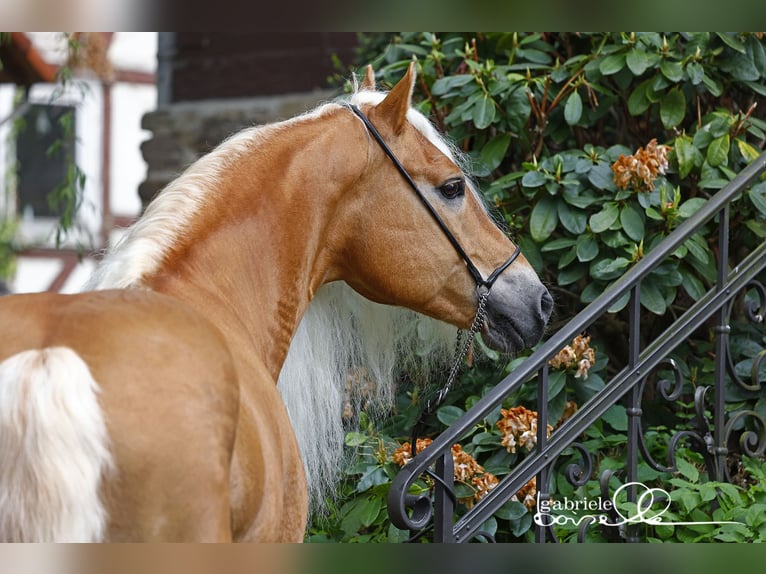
(369, 79)
(393, 109)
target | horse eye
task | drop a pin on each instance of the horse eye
(453, 188)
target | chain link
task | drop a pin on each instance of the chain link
(462, 346)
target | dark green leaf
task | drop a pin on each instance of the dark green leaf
(606, 269)
(687, 469)
(447, 83)
(697, 250)
(447, 415)
(373, 477)
(556, 383)
(620, 304)
(574, 220)
(692, 285)
(759, 54)
(579, 200)
(730, 39)
(741, 67)
(637, 61)
(652, 298)
(587, 248)
(602, 176)
(673, 71)
(369, 510)
(589, 387)
(632, 222)
(757, 195)
(484, 112)
(557, 244)
(573, 108)
(687, 154)
(571, 274)
(638, 102)
(493, 153)
(616, 417)
(543, 219)
(691, 206)
(614, 238)
(355, 439)
(603, 220)
(568, 257)
(673, 108)
(757, 227)
(591, 291)
(612, 64)
(713, 86)
(534, 179)
(718, 151)
(695, 72)
(511, 510)
(520, 526)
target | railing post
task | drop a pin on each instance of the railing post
(541, 480)
(444, 505)
(721, 344)
(633, 409)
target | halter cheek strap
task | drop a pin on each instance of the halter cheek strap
(481, 283)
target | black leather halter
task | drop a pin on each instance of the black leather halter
(475, 273)
(483, 286)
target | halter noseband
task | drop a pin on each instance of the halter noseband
(480, 281)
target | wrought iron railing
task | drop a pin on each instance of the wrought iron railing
(416, 512)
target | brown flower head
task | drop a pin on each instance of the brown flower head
(465, 465)
(483, 483)
(527, 495)
(467, 469)
(519, 428)
(403, 454)
(579, 355)
(639, 170)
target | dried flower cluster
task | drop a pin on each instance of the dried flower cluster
(519, 428)
(579, 354)
(403, 454)
(467, 469)
(527, 495)
(638, 171)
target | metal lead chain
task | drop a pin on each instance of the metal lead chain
(462, 346)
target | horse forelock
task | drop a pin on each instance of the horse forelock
(417, 120)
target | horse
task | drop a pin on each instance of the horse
(164, 402)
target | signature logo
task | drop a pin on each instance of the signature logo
(651, 505)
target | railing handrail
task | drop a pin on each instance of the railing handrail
(532, 365)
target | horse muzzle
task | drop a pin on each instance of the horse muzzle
(517, 313)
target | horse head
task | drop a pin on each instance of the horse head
(419, 236)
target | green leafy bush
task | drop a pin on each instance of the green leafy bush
(593, 147)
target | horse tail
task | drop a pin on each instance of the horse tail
(53, 449)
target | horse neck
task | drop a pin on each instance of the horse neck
(256, 252)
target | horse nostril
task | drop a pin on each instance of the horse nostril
(546, 305)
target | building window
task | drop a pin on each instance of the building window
(45, 151)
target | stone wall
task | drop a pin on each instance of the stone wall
(183, 131)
